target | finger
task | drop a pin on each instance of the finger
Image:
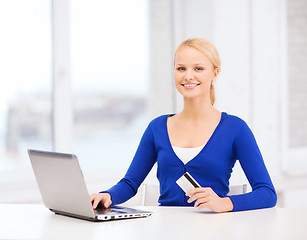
(203, 205)
(108, 203)
(200, 202)
(206, 190)
(194, 191)
(97, 200)
(93, 196)
(197, 196)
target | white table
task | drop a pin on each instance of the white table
(25, 221)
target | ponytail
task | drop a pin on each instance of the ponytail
(212, 94)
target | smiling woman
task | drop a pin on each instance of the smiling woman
(223, 139)
(197, 62)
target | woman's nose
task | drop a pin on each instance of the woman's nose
(189, 75)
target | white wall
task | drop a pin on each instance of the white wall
(160, 62)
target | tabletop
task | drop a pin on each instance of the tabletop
(31, 221)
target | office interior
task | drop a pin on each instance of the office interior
(86, 77)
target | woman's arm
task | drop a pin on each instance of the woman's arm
(142, 163)
(263, 194)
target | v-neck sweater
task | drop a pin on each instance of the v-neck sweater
(232, 140)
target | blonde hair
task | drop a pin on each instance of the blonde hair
(209, 50)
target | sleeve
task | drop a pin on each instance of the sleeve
(263, 194)
(142, 163)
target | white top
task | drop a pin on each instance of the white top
(187, 154)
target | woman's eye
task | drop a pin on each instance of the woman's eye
(199, 69)
(180, 68)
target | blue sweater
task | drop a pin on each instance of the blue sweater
(232, 140)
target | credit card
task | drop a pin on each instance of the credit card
(187, 182)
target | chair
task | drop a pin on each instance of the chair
(148, 194)
(237, 189)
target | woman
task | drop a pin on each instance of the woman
(199, 140)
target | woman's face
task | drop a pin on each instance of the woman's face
(194, 73)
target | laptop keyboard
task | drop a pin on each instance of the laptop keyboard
(108, 211)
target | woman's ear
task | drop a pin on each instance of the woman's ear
(216, 72)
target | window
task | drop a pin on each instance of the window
(109, 52)
(297, 72)
(25, 94)
(294, 89)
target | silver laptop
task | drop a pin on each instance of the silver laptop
(64, 192)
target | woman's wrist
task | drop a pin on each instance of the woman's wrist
(228, 204)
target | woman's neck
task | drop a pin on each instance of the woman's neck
(197, 109)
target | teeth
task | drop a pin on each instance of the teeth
(190, 85)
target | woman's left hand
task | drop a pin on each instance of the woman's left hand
(207, 198)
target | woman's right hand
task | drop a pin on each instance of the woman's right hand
(103, 198)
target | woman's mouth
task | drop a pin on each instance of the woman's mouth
(190, 85)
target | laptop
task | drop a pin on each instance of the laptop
(62, 186)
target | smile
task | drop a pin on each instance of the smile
(190, 85)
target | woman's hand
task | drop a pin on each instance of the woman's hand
(207, 198)
(104, 198)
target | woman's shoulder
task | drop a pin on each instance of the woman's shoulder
(160, 119)
(235, 121)
(158, 123)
